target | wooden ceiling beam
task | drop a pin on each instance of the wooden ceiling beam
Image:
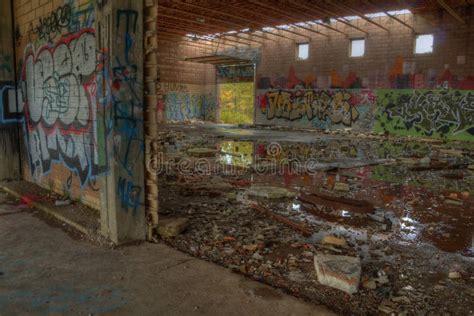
(263, 5)
(232, 24)
(451, 11)
(390, 15)
(259, 36)
(273, 20)
(312, 19)
(314, 8)
(358, 13)
(184, 33)
(229, 23)
(205, 32)
(186, 43)
(252, 22)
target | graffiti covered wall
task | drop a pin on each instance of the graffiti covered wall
(427, 113)
(58, 62)
(311, 108)
(184, 102)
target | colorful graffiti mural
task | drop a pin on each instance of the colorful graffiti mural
(316, 108)
(429, 113)
(58, 89)
(189, 106)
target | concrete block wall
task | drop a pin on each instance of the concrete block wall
(434, 87)
(387, 55)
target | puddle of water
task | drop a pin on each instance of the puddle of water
(239, 154)
(390, 187)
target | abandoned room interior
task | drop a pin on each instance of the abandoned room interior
(324, 149)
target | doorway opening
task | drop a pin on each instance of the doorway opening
(236, 92)
(237, 102)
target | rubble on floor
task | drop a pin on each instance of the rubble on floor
(391, 214)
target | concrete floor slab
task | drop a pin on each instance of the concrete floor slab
(44, 270)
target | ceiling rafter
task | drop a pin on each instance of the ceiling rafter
(312, 7)
(390, 15)
(359, 14)
(451, 11)
(229, 23)
(234, 16)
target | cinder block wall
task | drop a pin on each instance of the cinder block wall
(390, 89)
(57, 60)
(388, 54)
(186, 90)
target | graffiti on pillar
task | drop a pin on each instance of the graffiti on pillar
(129, 195)
(58, 91)
(321, 108)
(431, 113)
(127, 110)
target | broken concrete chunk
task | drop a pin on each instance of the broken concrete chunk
(341, 186)
(454, 275)
(332, 240)
(269, 192)
(339, 272)
(171, 227)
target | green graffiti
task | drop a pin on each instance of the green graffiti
(429, 113)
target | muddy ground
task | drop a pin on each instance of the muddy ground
(404, 207)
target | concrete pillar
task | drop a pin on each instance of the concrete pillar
(119, 36)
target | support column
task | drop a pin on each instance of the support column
(119, 28)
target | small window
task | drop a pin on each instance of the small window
(303, 51)
(424, 44)
(357, 47)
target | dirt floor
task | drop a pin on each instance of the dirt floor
(404, 206)
(45, 271)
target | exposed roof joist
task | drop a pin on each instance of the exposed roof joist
(451, 11)
(250, 22)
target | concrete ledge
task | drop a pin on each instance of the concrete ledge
(51, 212)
